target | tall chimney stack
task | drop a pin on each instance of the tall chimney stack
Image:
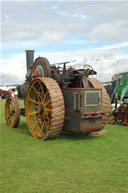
(29, 58)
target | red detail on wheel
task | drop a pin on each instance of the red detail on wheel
(36, 74)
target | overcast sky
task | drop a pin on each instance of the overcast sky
(91, 32)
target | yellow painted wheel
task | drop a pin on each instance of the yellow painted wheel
(44, 107)
(12, 112)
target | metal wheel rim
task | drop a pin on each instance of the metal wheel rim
(12, 112)
(42, 106)
(44, 65)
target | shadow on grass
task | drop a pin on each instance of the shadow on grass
(65, 135)
(75, 136)
(23, 129)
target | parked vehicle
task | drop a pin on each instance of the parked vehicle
(5, 94)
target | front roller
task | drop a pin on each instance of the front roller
(44, 107)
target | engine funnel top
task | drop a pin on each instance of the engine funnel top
(29, 58)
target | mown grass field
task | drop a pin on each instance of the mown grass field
(68, 164)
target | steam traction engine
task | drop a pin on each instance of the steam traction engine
(58, 98)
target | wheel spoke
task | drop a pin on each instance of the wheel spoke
(45, 95)
(42, 90)
(46, 126)
(36, 124)
(47, 102)
(12, 120)
(48, 110)
(36, 91)
(42, 127)
(48, 118)
(33, 101)
(12, 108)
(12, 112)
(33, 113)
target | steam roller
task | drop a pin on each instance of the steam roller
(57, 97)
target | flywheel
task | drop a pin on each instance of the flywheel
(41, 68)
(44, 106)
(105, 99)
(12, 112)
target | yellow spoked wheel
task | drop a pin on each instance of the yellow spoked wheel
(44, 108)
(12, 112)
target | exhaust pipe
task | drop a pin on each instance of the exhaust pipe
(29, 64)
(29, 59)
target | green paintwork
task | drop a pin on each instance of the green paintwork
(122, 85)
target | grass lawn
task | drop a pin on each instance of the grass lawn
(68, 164)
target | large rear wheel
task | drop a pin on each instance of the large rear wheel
(44, 108)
